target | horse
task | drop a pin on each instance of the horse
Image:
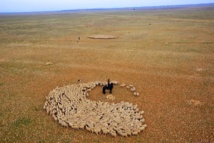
(109, 86)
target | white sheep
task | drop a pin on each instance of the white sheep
(113, 133)
(136, 94)
(133, 89)
(63, 123)
(69, 106)
(123, 85)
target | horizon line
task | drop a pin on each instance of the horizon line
(113, 8)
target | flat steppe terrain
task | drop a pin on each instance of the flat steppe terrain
(168, 54)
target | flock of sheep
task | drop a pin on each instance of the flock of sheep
(70, 106)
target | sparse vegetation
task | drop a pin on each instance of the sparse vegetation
(22, 122)
(167, 54)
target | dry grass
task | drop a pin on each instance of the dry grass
(167, 54)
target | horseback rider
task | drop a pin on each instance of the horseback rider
(109, 86)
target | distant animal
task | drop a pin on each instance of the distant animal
(78, 39)
(109, 86)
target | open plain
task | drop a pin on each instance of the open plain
(167, 53)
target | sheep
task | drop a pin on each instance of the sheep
(55, 118)
(75, 126)
(89, 128)
(96, 130)
(136, 94)
(47, 110)
(113, 133)
(123, 85)
(63, 123)
(60, 105)
(105, 130)
(133, 89)
(70, 124)
(70, 107)
(115, 82)
(135, 132)
(142, 127)
(145, 125)
(123, 134)
(141, 112)
(46, 104)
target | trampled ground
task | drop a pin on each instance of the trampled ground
(167, 54)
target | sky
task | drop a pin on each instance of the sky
(55, 5)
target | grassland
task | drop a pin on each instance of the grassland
(167, 54)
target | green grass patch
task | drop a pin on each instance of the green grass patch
(22, 122)
(36, 108)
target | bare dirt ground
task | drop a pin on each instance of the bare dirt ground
(166, 53)
(102, 37)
